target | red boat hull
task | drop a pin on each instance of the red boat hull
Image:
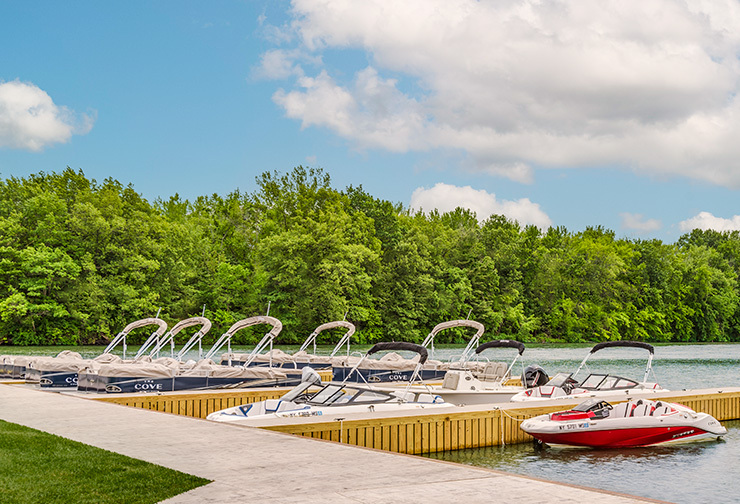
(621, 438)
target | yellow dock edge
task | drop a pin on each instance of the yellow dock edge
(469, 427)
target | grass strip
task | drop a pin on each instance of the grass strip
(39, 467)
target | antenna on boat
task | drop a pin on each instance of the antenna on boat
(203, 313)
(469, 312)
(156, 341)
(268, 309)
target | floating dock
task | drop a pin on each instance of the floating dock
(413, 432)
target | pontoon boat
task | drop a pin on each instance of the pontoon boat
(394, 368)
(167, 374)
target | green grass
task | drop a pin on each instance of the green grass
(39, 467)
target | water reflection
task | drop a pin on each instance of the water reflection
(691, 473)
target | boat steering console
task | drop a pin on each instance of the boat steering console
(598, 407)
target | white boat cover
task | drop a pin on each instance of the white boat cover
(169, 368)
(23, 360)
(68, 354)
(136, 370)
(323, 360)
(54, 365)
(218, 371)
(168, 362)
(282, 358)
(276, 356)
(107, 358)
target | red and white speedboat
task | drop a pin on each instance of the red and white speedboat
(598, 424)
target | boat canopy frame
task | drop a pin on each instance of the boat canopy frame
(622, 344)
(472, 344)
(392, 345)
(345, 339)
(266, 340)
(121, 336)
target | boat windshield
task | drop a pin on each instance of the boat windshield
(297, 391)
(598, 407)
(327, 395)
(338, 394)
(606, 382)
(560, 379)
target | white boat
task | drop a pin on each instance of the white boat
(334, 400)
(639, 422)
(479, 382)
(565, 386)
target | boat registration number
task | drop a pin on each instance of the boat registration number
(574, 426)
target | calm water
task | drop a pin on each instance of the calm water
(685, 474)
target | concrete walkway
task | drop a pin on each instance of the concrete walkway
(252, 465)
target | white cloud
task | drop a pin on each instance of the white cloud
(373, 112)
(445, 198)
(649, 86)
(705, 220)
(30, 120)
(638, 222)
(278, 64)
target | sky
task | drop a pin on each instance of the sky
(622, 114)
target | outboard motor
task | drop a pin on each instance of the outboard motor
(534, 376)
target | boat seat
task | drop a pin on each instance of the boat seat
(632, 408)
(642, 409)
(451, 381)
(494, 371)
(621, 410)
(662, 409)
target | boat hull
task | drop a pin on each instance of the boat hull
(626, 438)
(58, 379)
(123, 384)
(630, 424)
(272, 409)
(340, 374)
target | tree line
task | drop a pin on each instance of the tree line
(80, 259)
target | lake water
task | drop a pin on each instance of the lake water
(685, 474)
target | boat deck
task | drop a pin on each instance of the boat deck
(256, 465)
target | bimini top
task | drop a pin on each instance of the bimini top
(504, 343)
(479, 329)
(625, 343)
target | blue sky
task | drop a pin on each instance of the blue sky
(620, 114)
